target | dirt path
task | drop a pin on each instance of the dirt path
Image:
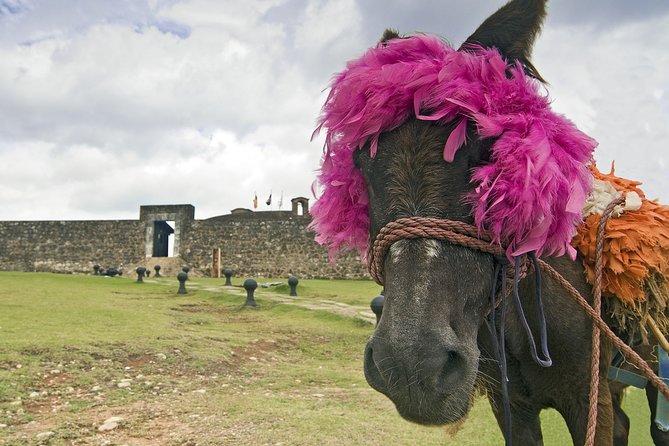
(354, 311)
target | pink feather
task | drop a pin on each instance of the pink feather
(528, 197)
(455, 140)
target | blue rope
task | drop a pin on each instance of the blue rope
(501, 265)
(499, 343)
(543, 336)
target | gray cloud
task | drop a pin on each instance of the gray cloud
(106, 107)
(604, 14)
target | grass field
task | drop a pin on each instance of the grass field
(200, 369)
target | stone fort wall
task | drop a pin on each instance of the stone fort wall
(259, 244)
(68, 246)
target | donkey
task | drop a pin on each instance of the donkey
(437, 338)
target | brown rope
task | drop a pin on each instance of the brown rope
(625, 349)
(597, 307)
(456, 232)
(467, 235)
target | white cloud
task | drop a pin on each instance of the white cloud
(325, 23)
(608, 82)
(207, 102)
(327, 35)
(119, 118)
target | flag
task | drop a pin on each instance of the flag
(255, 201)
(281, 200)
(269, 200)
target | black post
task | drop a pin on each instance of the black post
(227, 272)
(292, 282)
(157, 268)
(186, 269)
(140, 274)
(182, 277)
(377, 307)
(250, 285)
(96, 269)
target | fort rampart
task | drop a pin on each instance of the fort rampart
(263, 244)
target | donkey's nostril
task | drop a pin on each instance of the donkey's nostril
(372, 372)
(448, 369)
(440, 370)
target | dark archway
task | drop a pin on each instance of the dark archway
(161, 235)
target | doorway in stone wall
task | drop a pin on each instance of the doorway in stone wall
(300, 206)
(163, 238)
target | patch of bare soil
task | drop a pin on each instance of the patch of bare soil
(144, 399)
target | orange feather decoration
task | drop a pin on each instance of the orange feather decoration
(635, 258)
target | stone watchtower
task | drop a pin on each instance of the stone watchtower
(300, 206)
(158, 221)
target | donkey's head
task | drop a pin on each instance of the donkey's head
(424, 353)
(416, 128)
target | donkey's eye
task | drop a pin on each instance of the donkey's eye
(361, 158)
(357, 155)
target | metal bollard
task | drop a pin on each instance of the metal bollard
(292, 282)
(377, 307)
(250, 285)
(140, 274)
(182, 277)
(227, 272)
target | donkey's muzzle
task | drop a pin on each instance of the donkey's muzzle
(420, 380)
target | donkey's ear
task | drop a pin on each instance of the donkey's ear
(389, 34)
(512, 30)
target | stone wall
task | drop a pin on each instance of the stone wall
(261, 244)
(266, 244)
(69, 246)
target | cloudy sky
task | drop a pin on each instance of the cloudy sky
(107, 105)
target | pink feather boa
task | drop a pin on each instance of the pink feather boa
(528, 198)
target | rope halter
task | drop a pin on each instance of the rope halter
(456, 232)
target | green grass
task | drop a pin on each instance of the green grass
(351, 292)
(204, 369)
(61, 310)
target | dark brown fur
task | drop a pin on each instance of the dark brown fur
(431, 337)
(408, 177)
